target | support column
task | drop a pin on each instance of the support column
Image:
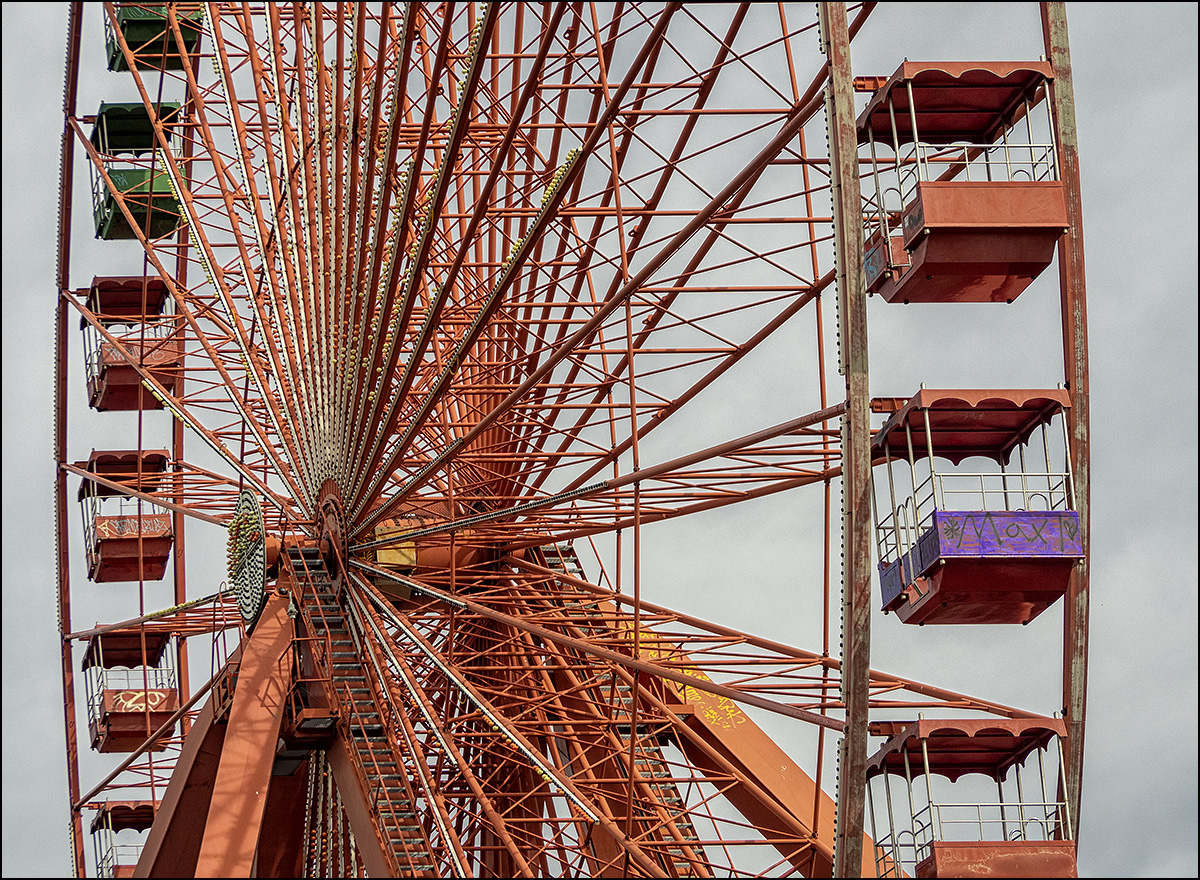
(856, 435)
(61, 533)
(1075, 368)
(243, 777)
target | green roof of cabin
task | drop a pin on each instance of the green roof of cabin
(126, 127)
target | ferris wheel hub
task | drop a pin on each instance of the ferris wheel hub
(332, 533)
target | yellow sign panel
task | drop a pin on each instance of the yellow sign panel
(402, 555)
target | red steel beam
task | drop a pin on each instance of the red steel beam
(563, 781)
(832, 663)
(768, 788)
(293, 377)
(1075, 363)
(366, 836)
(174, 839)
(63, 278)
(574, 175)
(634, 477)
(203, 245)
(420, 344)
(617, 657)
(243, 776)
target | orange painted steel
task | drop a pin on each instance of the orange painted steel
(952, 748)
(1022, 858)
(242, 781)
(975, 242)
(174, 840)
(478, 300)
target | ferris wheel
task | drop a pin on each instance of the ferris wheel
(443, 319)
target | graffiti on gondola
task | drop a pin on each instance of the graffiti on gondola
(139, 701)
(1017, 532)
(155, 525)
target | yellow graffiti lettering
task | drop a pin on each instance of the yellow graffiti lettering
(717, 710)
(138, 701)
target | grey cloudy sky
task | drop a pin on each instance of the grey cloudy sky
(1135, 68)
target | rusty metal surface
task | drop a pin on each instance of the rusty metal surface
(243, 776)
(955, 100)
(1026, 858)
(965, 422)
(956, 747)
(66, 191)
(856, 438)
(994, 205)
(1075, 368)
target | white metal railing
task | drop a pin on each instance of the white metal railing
(994, 163)
(90, 509)
(119, 505)
(117, 854)
(904, 849)
(151, 331)
(897, 533)
(99, 187)
(1021, 490)
(100, 679)
(1020, 820)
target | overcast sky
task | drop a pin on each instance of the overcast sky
(1135, 87)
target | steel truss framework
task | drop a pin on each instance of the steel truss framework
(482, 268)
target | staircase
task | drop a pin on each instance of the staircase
(379, 763)
(648, 759)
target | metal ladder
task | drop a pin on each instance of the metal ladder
(379, 762)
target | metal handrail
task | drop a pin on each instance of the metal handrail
(117, 855)
(382, 700)
(1049, 822)
(1035, 160)
(380, 799)
(99, 680)
(994, 163)
(891, 847)
(1055, 493)
(898, 532)
(910, 846)
(322, 649)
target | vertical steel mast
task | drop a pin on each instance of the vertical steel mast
(63, 280)
(1075, 366)
(856, 437)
